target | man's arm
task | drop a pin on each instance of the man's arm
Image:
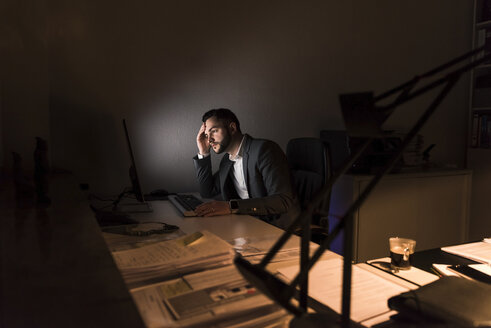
(274, 174)
(209, 184)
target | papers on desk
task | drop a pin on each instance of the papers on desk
(482, 273)
(171, 258)
(218, 297)
(119, 242)
(414, 275)
(253, 249)
(369, 293)
(442, 269)
(479, 251)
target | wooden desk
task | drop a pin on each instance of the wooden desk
(55, 269)
(425, 259)
(227, 227)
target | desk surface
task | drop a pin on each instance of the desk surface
(227, 227)
(424, 259)
(55, 269)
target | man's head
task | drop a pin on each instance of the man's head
(222, 126)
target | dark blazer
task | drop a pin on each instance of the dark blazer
(267, 177)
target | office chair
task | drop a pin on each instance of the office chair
(310, 168)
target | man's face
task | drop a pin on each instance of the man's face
(218, 135)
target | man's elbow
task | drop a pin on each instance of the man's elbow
(287, 202)
(205, 193)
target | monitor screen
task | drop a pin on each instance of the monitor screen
(133, 172)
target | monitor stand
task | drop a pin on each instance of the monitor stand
(130, 205)
(133, 207)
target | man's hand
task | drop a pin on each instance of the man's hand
(213, 208)
(202, 141)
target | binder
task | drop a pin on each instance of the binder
(451, 300)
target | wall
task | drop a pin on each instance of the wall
(24, 79)
(280, 65)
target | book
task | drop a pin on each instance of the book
(485, 11)
(484, 139)
(475, 131)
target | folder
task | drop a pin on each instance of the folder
(453, 300)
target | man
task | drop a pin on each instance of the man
(253, 177)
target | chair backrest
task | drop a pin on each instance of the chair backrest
(310, 168)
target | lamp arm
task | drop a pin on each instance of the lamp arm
(411, 95)
(281, 292)
(418, 125)
(429, 73)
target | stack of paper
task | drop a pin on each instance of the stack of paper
(170, 258)
(253, 249)
(479, 251)
(218, 298)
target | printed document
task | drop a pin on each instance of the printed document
(369, 292)
(202, 299)
(479, 251)
(170, 258)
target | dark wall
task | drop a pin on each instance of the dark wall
(73, 70)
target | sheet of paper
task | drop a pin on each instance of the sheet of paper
(415, 275)
(384, 317)
(443, 269)
(120, 242)
(202, 298)
(370, 292)
(254, 249)
(171, 251)
(149, 302)
(484, 268)
(479, 251)
(210, 278)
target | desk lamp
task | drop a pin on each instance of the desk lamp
(363, 118)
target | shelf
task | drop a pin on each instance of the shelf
(483, 24)
(483, 66)
(481, 109)
(479, 149)
(480, 97)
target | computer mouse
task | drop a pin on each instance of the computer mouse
(159, 193)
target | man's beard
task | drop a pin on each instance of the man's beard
(224, 143)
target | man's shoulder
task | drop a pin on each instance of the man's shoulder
(260, 145)
(260, 141)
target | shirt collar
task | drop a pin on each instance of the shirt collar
(239, 152)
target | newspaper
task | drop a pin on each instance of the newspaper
(171, 258)
(219, 298)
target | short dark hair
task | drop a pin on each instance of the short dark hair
(224, 115)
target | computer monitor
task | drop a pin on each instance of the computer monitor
(135, 181)
(136, 189)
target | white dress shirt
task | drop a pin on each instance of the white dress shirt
(238, 177)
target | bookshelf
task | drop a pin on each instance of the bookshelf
(480, 93)
(479, 141)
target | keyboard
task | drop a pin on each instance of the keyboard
(185, 203)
